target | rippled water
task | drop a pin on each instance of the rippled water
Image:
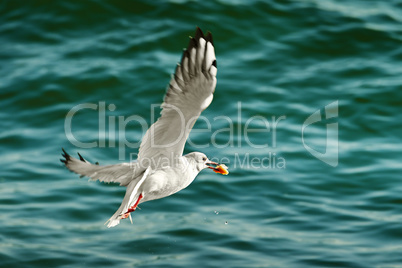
(278, 61)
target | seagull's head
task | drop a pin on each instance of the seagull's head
(201, 162)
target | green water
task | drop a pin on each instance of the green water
(278, 63)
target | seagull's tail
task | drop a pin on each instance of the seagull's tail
(114, 220)
(131, 199)
(125, 205)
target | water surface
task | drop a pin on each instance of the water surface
(275, 59)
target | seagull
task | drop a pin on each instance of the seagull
(161, 169)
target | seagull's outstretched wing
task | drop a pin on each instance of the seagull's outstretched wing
(119, 173)
(190, 92)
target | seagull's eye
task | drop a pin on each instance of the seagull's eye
(204, 159)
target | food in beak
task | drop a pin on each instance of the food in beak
(219, 168)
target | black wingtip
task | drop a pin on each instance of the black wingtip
(66, 157)
(192, 44)
(214, 64)
(198, 33)
(81, 158)
(65, 154)
(209, 38)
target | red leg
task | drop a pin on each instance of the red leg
(135, 205)
(133, 208)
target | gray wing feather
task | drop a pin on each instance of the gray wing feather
(190, 92)
(119, 173)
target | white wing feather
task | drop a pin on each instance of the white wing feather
(190, 92)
